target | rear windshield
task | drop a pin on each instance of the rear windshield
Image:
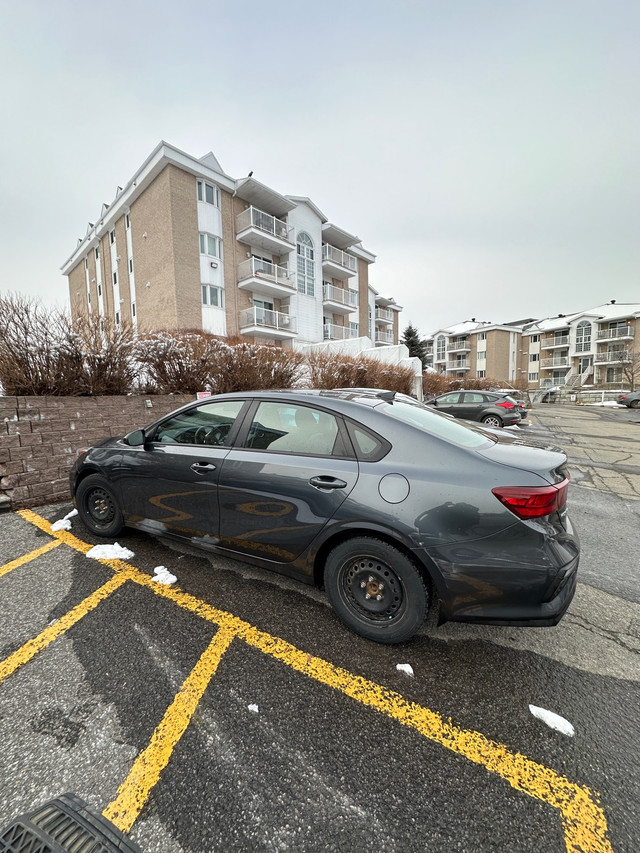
(437, 424)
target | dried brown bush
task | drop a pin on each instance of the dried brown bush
(343, 371)
(434, 384)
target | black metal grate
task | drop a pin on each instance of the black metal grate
(64, 825)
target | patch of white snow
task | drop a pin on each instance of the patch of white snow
(110, 552)
(406, 668)
(64, 523)
(163, 575)
(554, 721)
(253, 708)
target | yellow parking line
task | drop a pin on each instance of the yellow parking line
(148, 766)
(52, 632)
(26, 558)
(583, 821)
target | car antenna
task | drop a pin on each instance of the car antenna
(389, 396)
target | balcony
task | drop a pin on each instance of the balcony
(554, 341)
(338, 264)
(384, 316)
(384, 338)
(263, 231)
(339, 300)
(613, 356)
(332, 332)
(459, 345)
(611, 334)
(264, 278)
(272, 324)
(459, 364)
(557, 362)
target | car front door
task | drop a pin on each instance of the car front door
(280, 488)
(170, 484)
(450, 403)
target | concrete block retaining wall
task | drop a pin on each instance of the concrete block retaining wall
(39, 437)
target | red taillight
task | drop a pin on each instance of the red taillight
(506, 405)
(533, 501)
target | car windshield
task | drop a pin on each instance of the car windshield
(437, 424)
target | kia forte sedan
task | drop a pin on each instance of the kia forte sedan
(391, 507)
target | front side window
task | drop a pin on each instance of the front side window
(306, 264)
(290, 428)
(209, 424)
(210, 245)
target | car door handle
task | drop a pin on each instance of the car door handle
(324, 482)
(202, 467)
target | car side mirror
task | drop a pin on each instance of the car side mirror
(135, 438)
(434, 402)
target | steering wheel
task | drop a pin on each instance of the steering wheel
(209, 435)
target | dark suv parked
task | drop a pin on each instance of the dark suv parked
(489, 407)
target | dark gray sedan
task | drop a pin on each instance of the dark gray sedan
(630, 398)
(389, 506)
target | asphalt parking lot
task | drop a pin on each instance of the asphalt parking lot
(233, 711)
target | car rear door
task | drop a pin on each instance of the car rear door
(280, 488)
(472, 404)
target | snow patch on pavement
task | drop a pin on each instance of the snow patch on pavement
(554, 721)
(64, 523)
(163, 575)
(110, 552)
(253, 708)
(406, 668)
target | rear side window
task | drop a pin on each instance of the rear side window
(369, 447)
(472, 397)
(209, 424)
(291, 428)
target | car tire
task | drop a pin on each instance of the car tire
(98, 508)
(375, 589)
(493, 421)
(634, 404)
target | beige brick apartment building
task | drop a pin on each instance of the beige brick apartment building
(185, 246)
(586, 348)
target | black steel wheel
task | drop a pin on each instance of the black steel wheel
(635, 404)
(375, 589)
(98, 508)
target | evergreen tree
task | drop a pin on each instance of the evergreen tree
(416, 346)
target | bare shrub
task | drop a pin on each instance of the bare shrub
(434, 384)
(186, 362)
(343, 371)
(96, 357)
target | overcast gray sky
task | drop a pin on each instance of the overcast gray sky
(486, 152)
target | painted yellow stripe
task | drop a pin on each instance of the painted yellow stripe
(52, 632)
(32, 555)
(148, 766)
(583, 821)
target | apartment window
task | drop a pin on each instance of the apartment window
(583, 336)
(96, 252)
(353, 329)
(212, 295)
(440, 348)
(117, 318)
(86, 263)
(618, 324)
(133, 309)
(210, 245)
(482, 355)
(534, 338)
(482, 336)
(533, 377)
(99, 290)
(112, 236)
(482, 374)
(208, 193)
(115, 278)
(127, 221)
(306, 265)
(130, 264)
(534, 356)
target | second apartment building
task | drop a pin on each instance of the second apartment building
(185, 246)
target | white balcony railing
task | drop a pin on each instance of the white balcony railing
(613, 355)
(459, 364)
(384, 314)
(253, 217)
(384, 337)
(340, 295)
(257, 316)
(624, 332)
(330, 253)
(549, 363)
(332, 332)
(264, 270)
(554, 341)
(459, 345)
